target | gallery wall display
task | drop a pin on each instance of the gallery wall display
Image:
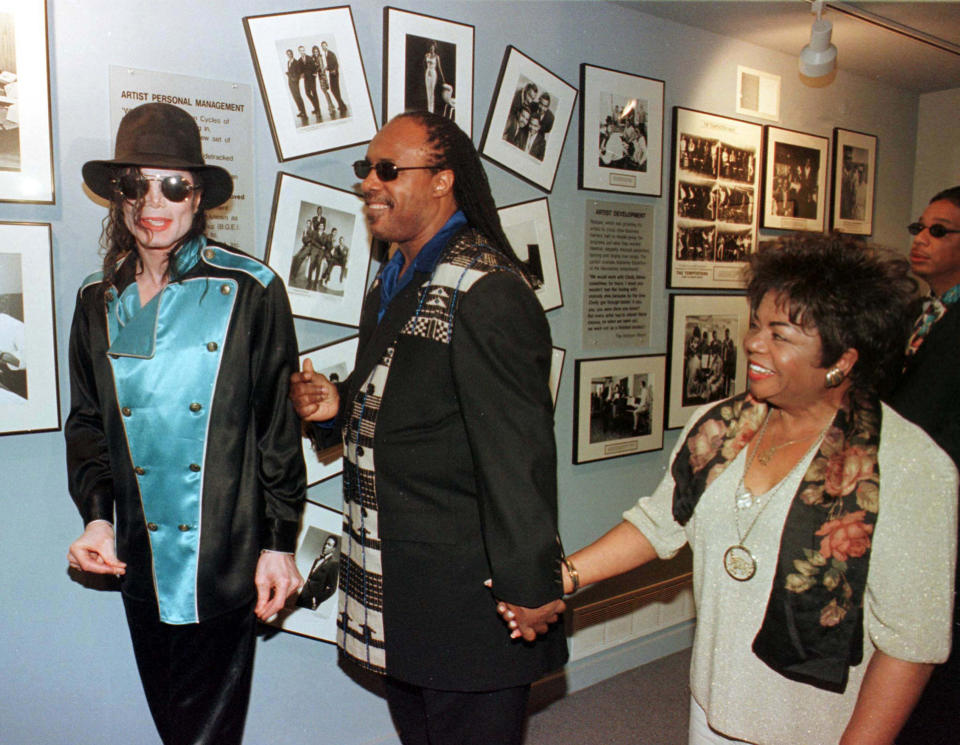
(854, 180)
(312, 80)
(713, 199)
(707, 362)
(621, 132)
(335, 360)
(795, 167)
(26, 145)
(528, 228)
(618, 406)
(319, 244)
(429, 66)
(528, 119)
(29, 392)
(313, 611)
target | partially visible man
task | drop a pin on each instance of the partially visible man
(450, 463)
(333, 75)
(927, 395)
(294, 73)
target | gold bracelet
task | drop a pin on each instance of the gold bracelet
(574, 575)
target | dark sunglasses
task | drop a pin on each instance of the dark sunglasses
(936, 230)
(386, 171)
(134, 186)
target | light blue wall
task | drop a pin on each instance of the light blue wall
(66, 669)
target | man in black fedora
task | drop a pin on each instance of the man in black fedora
(183, 453)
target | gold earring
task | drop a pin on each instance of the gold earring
(834, 377)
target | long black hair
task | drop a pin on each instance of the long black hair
(471, 190)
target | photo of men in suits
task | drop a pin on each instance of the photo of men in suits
(311, 70)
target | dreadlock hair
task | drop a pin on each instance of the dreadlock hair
(471, 190)
(117, 242)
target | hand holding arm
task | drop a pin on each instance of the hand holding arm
(528, 622)
(95, 550)
(314, 397)
(276, 579)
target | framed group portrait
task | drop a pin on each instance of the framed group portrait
(618, 407)
(312, 80)
(29, 392)
(335, 360)
(313, 611)
(794, 180)
(319, 244)
(621, 132)
(26, 144)
(528, 228)
(429, 66)
(707, 362)
(854, 180)
(714, 196)
(528, 120)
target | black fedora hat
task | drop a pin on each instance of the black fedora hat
(159, 135)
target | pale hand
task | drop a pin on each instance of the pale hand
(314, 397)
(95, 551)
(276, 579)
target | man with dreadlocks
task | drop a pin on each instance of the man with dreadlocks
(449, 457)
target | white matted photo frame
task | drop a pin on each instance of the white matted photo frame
(319, 244)
(556, 372)
(707, 362)
(854, 181)
(528, 228)
(313, 611)
(26, 145)
(714, 198)
(429, 66)
(621, 132)
(29, 392)
(795, 167)
(335, 360)
(312, 80)
(528, 119)
(618, 406)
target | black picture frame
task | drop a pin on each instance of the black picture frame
(795, 169)
(854, 181)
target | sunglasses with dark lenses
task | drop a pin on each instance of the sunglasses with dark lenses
(386, 171)
(936, 230)
(134, 186)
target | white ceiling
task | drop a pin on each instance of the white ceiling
(874, 39)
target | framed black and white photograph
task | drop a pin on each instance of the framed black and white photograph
(528, 119)
(528, 228)
(621, 132)
(320, 244)
(335, 360)
(26, 145)
(618, 408)
(707, 362)
(556, 373)
(29, 393)
(794, 180)
(854, 180)
(312, 80)
(313, 611)
(714, 196)
(429, 66)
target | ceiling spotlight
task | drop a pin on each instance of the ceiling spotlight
(819, 56)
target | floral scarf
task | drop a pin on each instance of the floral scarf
(812, 630)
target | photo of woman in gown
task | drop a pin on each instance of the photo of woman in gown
(431, 61)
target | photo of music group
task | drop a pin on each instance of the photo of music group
(530, 119)
(320, 257)
(728, 209)
(623, 133)
(312, 71)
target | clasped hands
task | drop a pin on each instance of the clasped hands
(528, 622)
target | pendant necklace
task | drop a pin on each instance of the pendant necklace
(737, 559)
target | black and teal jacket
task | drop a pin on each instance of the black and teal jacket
(180, 431)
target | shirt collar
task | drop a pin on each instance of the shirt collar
(951, 296)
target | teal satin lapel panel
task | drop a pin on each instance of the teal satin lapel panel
(165, 402)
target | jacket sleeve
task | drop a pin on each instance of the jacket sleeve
(501, 364)
(282, 473)
(88, 461)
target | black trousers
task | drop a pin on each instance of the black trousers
(196, 676)
(424, 716)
